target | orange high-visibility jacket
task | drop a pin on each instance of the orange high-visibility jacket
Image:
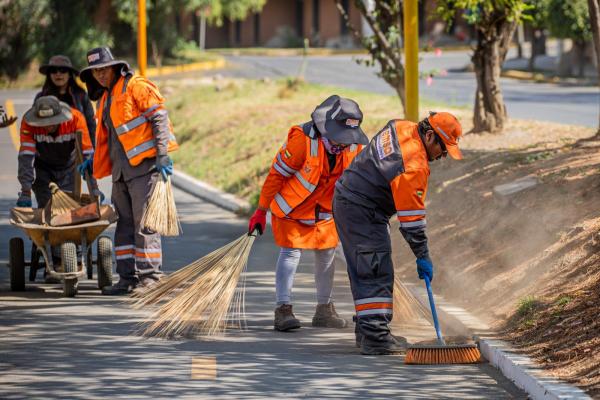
(299, 191)
(391, 175)
(133, 100)
(295, 171)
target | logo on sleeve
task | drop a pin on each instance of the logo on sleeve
(419, 193)
(287, 154)
(384, 144)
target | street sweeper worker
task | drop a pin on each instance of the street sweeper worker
(388, 178)
(298, 190)
(133, 139)
(47, 152)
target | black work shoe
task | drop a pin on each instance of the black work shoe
(395, 345)
(121, 288)
(285, 319)
(327, 317)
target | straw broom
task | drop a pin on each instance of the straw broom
(161, 213)
(61, 202)
(202, 298)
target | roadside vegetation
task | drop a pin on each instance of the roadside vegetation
(229, 130)
(528, 263)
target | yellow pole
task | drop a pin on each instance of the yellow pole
(411, 57)
(141, 43)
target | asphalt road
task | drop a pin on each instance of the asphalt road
(86, 347)
(568, 104)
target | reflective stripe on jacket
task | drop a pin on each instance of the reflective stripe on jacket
(51, 151)
(294, 183)
(134, 99)
(391, 175)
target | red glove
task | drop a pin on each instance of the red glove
(258, 221)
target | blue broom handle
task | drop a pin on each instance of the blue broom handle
(433, 312)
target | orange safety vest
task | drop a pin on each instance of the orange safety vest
(131, 124)
(304, 180)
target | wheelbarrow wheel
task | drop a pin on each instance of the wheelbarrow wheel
(90, 263)
(68, 253)
(104, 261)
(16, 250)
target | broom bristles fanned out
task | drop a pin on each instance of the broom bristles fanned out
(61, 202)
(203, 298)
(407, 308)
(161, 213)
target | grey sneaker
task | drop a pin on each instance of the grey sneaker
(121, 288)
(327, 317)
(285, 319)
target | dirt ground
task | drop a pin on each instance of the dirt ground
(529, 262)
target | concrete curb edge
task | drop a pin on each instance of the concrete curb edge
(518, 368)
(208, 193)
(523, 372)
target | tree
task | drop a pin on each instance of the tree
(21, 25)
(594, 7)
(570, 20)
(538, 16)
(162, 16)
(385, 21)
(72, 31)
(495, 22)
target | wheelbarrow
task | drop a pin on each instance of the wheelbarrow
(68, 238)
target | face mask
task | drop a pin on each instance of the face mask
(333, 148)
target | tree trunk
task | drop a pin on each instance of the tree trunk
(594, 7)
(580, 45)
(490, 112)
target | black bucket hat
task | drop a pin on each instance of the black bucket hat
(48, 110)
(99, 57)
(58, 61)
(339, 119)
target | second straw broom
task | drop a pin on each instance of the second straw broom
(203, 298)
(160, 214)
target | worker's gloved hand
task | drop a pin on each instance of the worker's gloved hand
(86, 165)
(164, 165)
(98, 193)
(258, 221)
(24, 199)
(425, 268)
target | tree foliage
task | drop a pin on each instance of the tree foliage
(72, 31)
(21, 33)
(495, 22)
(385, 21)
(569, 19)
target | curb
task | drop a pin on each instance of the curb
(518, 368)
(541, 78)
(153, 72)
(525, 374)
(208, 193)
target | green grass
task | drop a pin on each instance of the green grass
(526, 310)
(229, 131)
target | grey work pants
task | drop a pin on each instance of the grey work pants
(287, 263)
(365, 236)
(138, 251)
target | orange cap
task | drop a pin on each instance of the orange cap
(449, 130)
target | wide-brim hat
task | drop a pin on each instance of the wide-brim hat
(58, 61)
(99, 57)
(339, 119)
(46, 111)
